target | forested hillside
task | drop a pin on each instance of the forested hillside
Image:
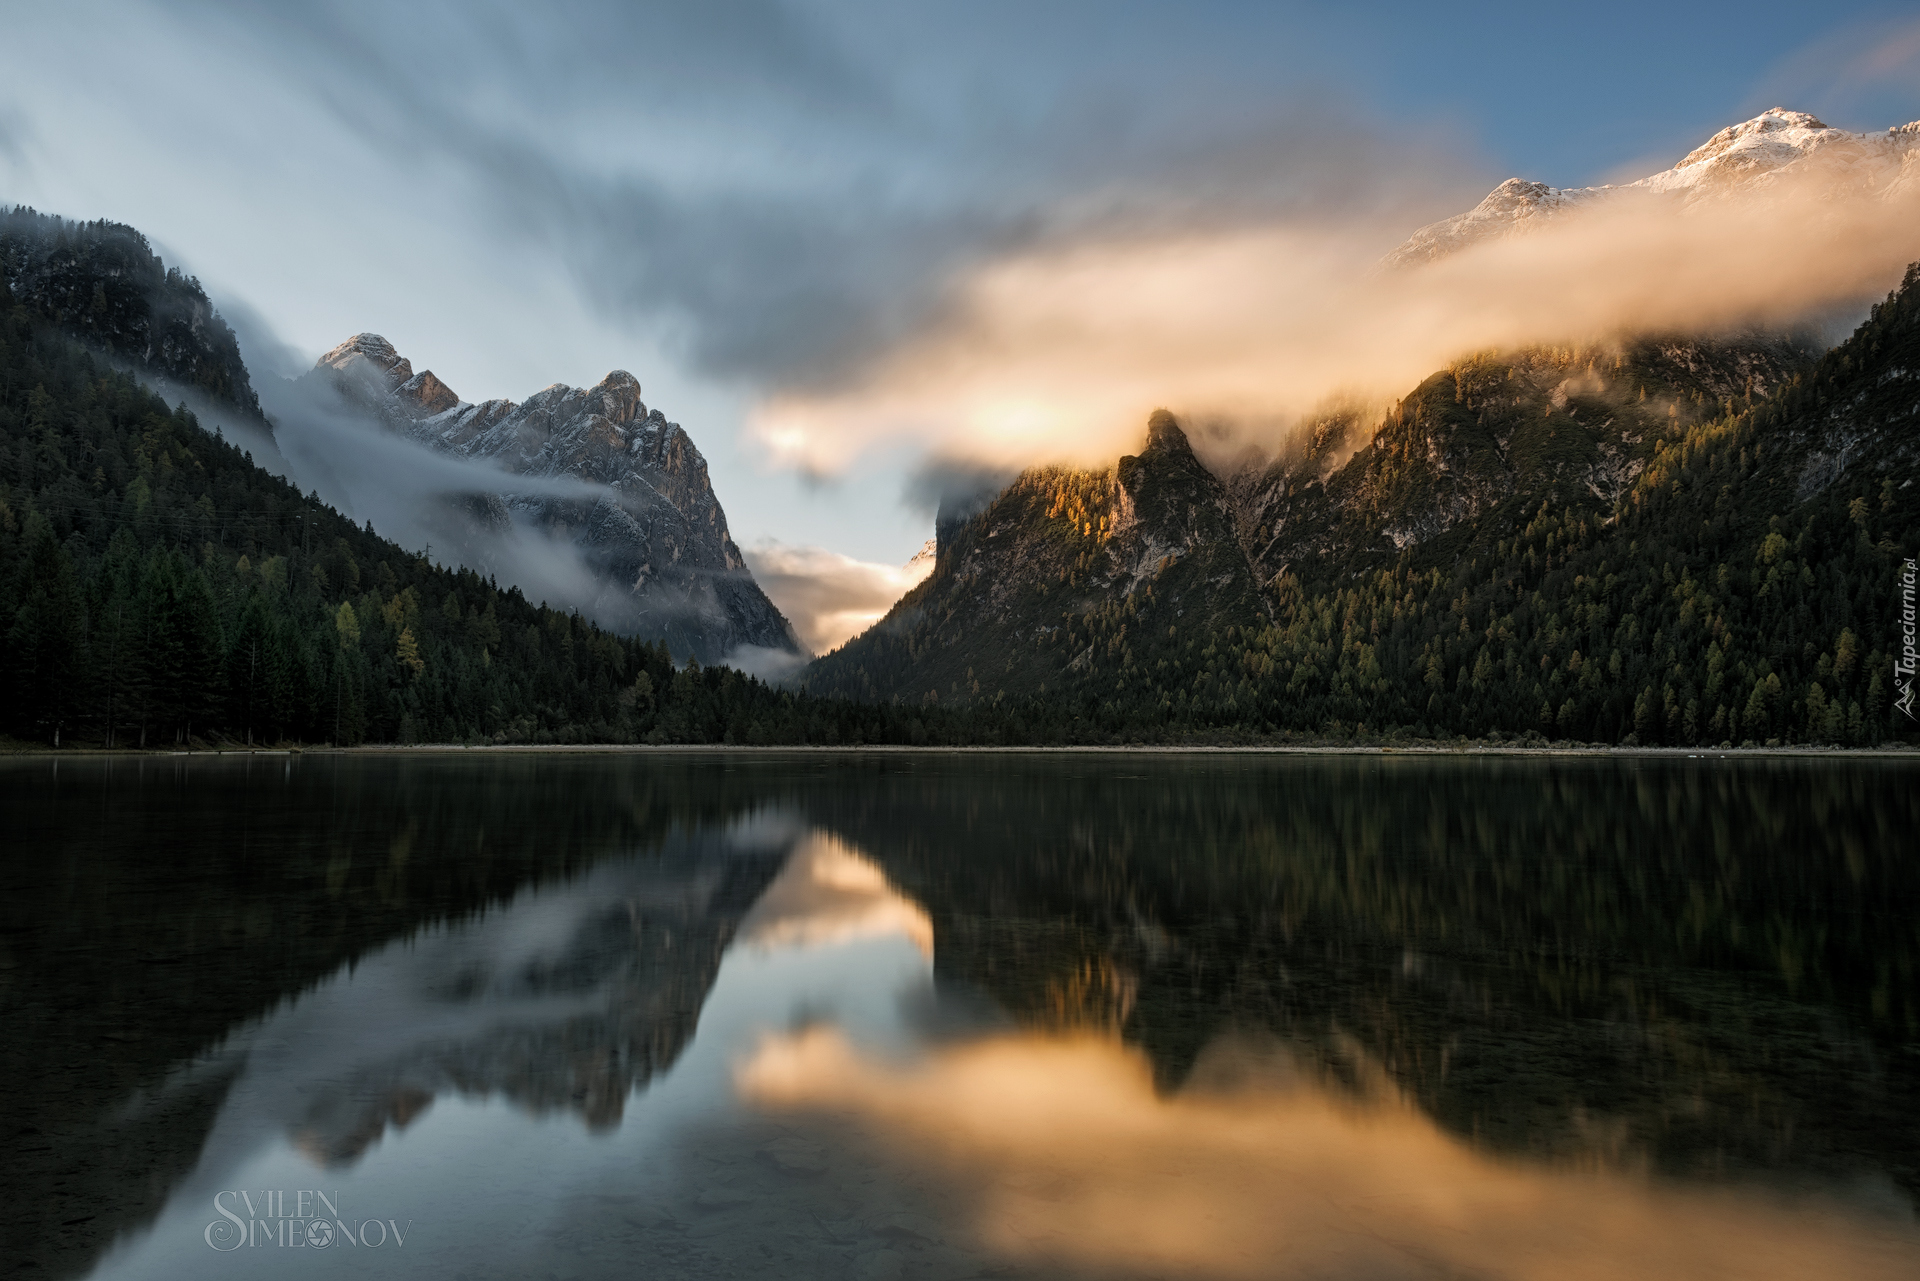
(102, 282)
(1734, 579)
(156, 588)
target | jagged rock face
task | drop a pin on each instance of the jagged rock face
(1463, 461)
(1485, 441)
(654, 534)
(1152, 536)
(1745, 157)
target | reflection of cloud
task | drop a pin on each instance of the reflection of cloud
(828, 597)
(830, 893)
(1060, 354)
(1083, 1162)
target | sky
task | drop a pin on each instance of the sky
(763, 209)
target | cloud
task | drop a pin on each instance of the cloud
(267, 356)
(784, 192)
(829, 598)
(16, 132)
(1856, 74)
(954, 485)
(1059, 355)
(774, 666)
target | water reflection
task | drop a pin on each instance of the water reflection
(831, 893)
(567, 998)
(1067, 1160)
(931, 1017)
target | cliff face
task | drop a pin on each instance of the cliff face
(1151, 538)
(1070, 573)
(647, 521)
(101, 282)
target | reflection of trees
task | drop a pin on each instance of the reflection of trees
(1712, 966)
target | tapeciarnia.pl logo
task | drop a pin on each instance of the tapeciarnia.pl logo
(1903, 666)
(313, 1224)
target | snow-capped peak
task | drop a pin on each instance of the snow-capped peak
(1736, 158)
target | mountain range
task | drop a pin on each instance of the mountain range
(1665, 537)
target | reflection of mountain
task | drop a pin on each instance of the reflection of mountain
(1698, 968)
(600, 1002)
(1707, 967)
(210, 891)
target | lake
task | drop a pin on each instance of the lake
(920, 1015)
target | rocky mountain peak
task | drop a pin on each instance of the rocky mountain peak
(372, 357)
(426, 393)
(1794, 129)
(651, 530)
(617, 399)
(1739, 157)
(1164, 435)
(1153, 536)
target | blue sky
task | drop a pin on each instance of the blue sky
(740, 199)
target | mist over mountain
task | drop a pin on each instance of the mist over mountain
(583, 498)
(1676, 540)
(1679, 535)
(1775, 149)
(1776, 224)
(614, 497)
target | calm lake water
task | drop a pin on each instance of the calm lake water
(937, 1016)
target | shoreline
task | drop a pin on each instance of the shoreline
(1891, 752)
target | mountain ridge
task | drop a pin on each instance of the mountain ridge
(1746, 156)
(649, 526)
(1702, 545)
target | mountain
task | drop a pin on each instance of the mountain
(1150, 540)
(1669, 540)
(1162, 543)
(1775, 146)
(103, 284)
(648, 524)
(1481, 443)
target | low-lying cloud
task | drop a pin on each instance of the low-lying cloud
(1060, 355)
(830, 598)
(424, 500)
